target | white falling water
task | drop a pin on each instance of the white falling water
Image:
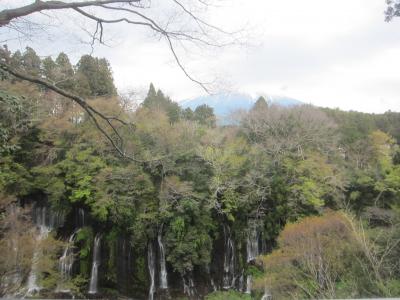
(248, 284)
(163, 269)
(228, 280)
(252, 252)
(65, 263)
(267, 295)
(188, 285)
(94, 277)
(151, 265)
(44, 230)
(252, 244)
(13, 276)
(214, 287)
(241, 282)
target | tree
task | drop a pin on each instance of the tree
(329, 256)
(64, 72)
(205, 115)
(282, 131)
(130, 12)
(158, 101)
(14, 119)
(31, 62)
(260, 105)
(97, 73)
(49, 68)
(18, 243)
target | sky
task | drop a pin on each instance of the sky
(331, 53)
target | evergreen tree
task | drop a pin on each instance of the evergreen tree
(98, 75)
(31, 62)
(158, 101)
(187, 114)
(65, 72)
(260, 105)
(205, 115)
(151, 99)
(49, 69)
(16, 59)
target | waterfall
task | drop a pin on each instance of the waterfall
(94, 277)
(188, 285)
(151, 266)
(267, 295)
(248, 284)
(163, 269)
(32, 285)
(228, 280)
(123, 264)
(213, 286)
(252, 244)
(66, 262)
(13, 276)
(41, 221)
(241, 283)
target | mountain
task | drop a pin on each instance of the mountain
(224, 104)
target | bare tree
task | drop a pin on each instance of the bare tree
(281, 130)
(132, 12)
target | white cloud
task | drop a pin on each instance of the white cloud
(337, 53)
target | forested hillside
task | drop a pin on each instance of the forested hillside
(293, 202)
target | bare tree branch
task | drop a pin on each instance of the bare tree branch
(126, 11)
(7, 15)
(200, 35)
(93, 113)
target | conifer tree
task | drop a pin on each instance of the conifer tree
(65, 72)
(98, 75)
(31, 62)
(260, 105)
(49, 68)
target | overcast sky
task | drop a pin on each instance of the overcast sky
(335, 53)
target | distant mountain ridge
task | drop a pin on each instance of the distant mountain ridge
(224, 104)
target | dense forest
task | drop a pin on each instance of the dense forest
(298, 202)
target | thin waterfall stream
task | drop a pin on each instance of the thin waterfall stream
(151, 266)
(229, 259)
(66, 262)
(252, 251)
(44, 230)
(94, 277)
(163, 268)
(188, 285)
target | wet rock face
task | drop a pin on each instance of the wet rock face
(144, 272)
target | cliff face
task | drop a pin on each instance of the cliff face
(114, 265)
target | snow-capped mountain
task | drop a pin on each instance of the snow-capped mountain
(224, 104)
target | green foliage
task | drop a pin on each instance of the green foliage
(190, 178)
(84, 240)
(231, 295)
(85, 235)
(157, 101)
(330, 257)
(31, 62)
(205, 115)
(64, 73)
(96, 73)
(14, 120)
